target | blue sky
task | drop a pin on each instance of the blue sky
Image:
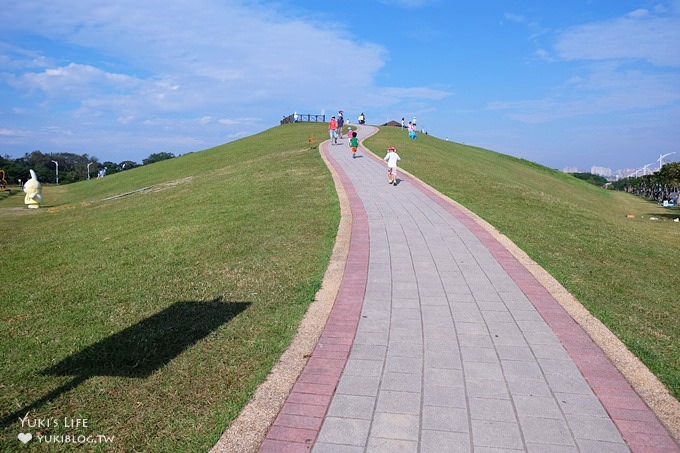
(577, 83)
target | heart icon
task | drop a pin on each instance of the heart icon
(25, 437)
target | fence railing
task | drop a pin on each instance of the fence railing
(303, 118)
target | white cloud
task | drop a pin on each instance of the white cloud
(74, 78)
(544, 55)
(421, 93)
(408, 3)
(607, 89)
(232, 59)
(640, 35)
(626, 64)
(12, 133)
(196, 57)
(237, 121)
(511, 17)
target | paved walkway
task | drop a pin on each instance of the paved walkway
(440, 341)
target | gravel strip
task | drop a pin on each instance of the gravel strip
(245, 434)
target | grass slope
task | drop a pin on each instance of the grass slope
(625, 271)
(160, 297)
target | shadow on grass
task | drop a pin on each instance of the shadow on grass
(670, 215)
(141, 349)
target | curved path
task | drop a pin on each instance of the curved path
(441, 341)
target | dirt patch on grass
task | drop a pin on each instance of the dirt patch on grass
(147, 189)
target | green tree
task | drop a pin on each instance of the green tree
(72, 167)
(591, 178)
(670, 174)
(127, 165)
(157, 157)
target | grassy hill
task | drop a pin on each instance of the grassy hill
(154, 301)
(625, 271)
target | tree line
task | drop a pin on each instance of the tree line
(72, 167)
(659, 186)
(596, 180)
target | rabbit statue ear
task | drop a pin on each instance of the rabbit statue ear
(33, 175)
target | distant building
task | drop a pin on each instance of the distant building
(625, 172)
(601, 171)
(570, 170)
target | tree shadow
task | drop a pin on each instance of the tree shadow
(141, 349)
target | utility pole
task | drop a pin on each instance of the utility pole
(57, 170)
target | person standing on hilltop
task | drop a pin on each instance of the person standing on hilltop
(362, 118)
(392, 158)
(333, 130)
(341, 123)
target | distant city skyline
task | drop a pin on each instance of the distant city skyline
(648, 168)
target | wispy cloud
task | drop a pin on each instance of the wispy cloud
(512, 17)
(408, 3)
(628, 64)
(13, 133)
(640, 35)
(422, 93)
(607, 88)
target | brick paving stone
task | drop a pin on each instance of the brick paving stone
(388, 425)
(399, 402)
(352, 406)
(382, 445)
(344, 431)
(433, 441)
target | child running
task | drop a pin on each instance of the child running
(392, 157)
(353, 144)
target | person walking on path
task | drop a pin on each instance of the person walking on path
(362, 118)
(333, 130)
(353, 144)
(341, 123)
(392, 158)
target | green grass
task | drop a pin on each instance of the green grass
(108, 297)
(155, 313)
(625, 271)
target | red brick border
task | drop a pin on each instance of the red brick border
(638, 425)
(299, 421)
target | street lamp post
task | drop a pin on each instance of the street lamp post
(57, 170)
(662, 157)
(88, 170)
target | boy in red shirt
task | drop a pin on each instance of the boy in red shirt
(333, 130)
